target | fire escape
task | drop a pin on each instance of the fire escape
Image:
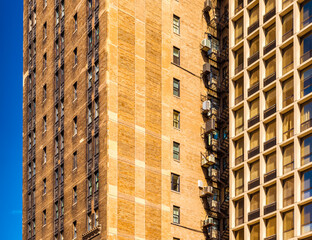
(214, 162)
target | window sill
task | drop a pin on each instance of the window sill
(75, 169)
(176, 160)
(178, 34)
(175, 191)
(178, 97)
(75, 66)
(178, 129)
(76, 30)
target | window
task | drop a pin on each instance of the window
(270, 34)
(306, 47)
(176, 24)
(254, 201)
(270, 130)
(239, 181)
(97, 34)
(288, 125)
(176, 215)
(96, 217)
(44, 186)
(176, 87)
(89, 114)
(96, 108)
(239, 212)
(288, 158)
(239, 32)
(254, 108)
(96, 145)
(176, 55)
(89, 149)
(34, 167)
(75, 90)
(75, 22)
(90, 42)
(288, 225)
(306, 184)
(176, 119)
(306, 219)
(96, 176)
(239, 235)
(62, 206)
(45, 30)
(255, 232)
(44, 92)
(75, 195)
(239, 90)
(89, 221)
(288, 59)
(62, 140)
(90, 186)
(254, 77)
(288, 191)
(176, 151)
(288, 92)
(254, 46)
(44, 61)
(271, 194)
(44, 154)
(62, 8)
(74, 229)
(239, 60)
(239, 151)
(271, 227)
(254, 139)
(287, 27)
(306, 115)
(254, 15)
(45, 3)
(269, 5)
(270, 98)
(44, 123)
(175, 182)
(56, 210)
(239, 121)
(271, 162)
(75, 125)
(75, 56)
(306, 81)
(254, 170)
(97, 71)
(306, 13)
(44, 217)
(270, 69)
(75, 160)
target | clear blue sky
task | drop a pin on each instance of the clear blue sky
(11, 66)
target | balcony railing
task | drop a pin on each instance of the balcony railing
(288, 67)
(239, 159)
(306, 56)
(288, 167)
(305, 125)
(239, 220)
(269, 208)
(269, 79)
(270, 143)
(288, 100)
(273, 237)
(253, 89)
(238, 38)
(268, 112)
(288, 134)
(254, 120)
(253, 183)
(253, 27)
(268, 15)
(253, 214)
(306, 21)
(287, 35)
(253, 58)
(239, 99)
(269, 176)
(253, 152)
(270, 46)
(239, 68)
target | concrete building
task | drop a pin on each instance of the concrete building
(270, 119)
(112, 130)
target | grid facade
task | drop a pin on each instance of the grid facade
(270, 130)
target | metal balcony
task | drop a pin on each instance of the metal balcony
(239, 159)
(270, 143)
(239, 68)
(287, 35)
(253, 152)
(253, 214)
(269, 15)
(253, 58)
(253, 89)
(305, 125)
(268, 112)
(207, 161)
(253, 183)
(254, 120)
(269, 176)
(269, 208)
(307, 55)
(253, 27)
(269, 79)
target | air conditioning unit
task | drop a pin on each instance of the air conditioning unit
(210, 125)
(210, 220)
(204, 161)
(206, 105)
(206, 45)
(212, 158)
(208, 5)
(207, 68)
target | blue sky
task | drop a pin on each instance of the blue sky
(11, 66)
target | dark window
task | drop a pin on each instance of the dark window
(176, 119)
(75, 56)
(96, 175)
(175, 182)
(45, 61)
(90, 186)
(176, 87)
(75, 22)
(176, 24)
(96, 145)
(75, 194)
(44, 92)
(44, 186)
(44, 217)
(75, 160)
(176, 55)
(45, 30)
(306, 185)
(75, 90)
(44, 123)
(44, 154)
(75, 125)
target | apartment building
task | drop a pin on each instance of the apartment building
(270, 119)
(117, 107)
